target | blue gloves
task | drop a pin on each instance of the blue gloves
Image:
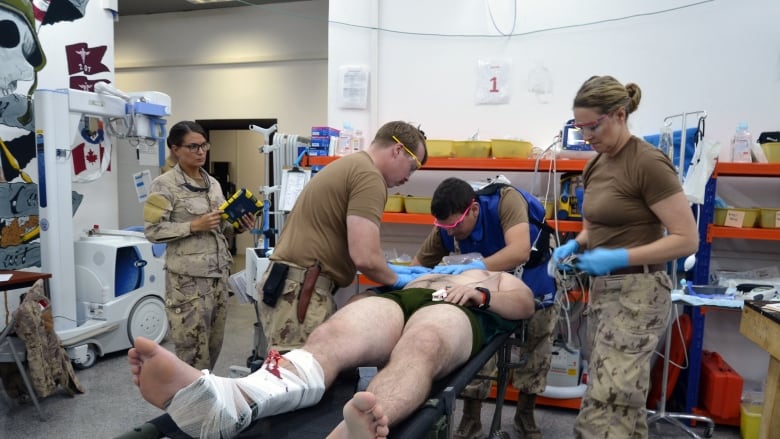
(601, 261)
(404, 279)
(457, 269)
(408, 269)
(565, 250)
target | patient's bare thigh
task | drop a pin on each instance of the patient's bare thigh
(453, 329)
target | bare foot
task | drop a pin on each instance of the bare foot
(364, 418)
(158, 373)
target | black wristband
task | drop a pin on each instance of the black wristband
(486, 296)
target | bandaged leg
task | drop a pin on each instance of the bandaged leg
(217, 407)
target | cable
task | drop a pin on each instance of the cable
(493, 20)
(533, 32)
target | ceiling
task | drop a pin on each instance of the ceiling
(143, 7)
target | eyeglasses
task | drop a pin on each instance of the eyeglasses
(591, 127)
(457, 222)
(194, 147)
(411, 154)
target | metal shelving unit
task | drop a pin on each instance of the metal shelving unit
(708, 232)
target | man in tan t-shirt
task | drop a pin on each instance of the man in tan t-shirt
(334, 225)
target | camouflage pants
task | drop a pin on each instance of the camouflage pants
(280, 323)
(532, 378)
(626, 318)
(197, 309)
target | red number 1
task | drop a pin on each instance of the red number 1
(494, 81)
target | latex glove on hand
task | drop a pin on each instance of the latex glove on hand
(458, 269)
(601, 261)
(408, 269)
(404, 279)
(569, 248)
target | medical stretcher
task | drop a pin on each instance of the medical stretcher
(432, 420)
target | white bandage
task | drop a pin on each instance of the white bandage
(217, 407)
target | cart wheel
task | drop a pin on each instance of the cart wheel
(148, 319)
(90, 360)
(709, 431)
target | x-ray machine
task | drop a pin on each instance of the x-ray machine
(107, 286)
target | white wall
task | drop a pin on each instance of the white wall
(260, 61)
(720, 56)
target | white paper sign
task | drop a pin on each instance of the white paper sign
(493, 82)
(142, 180)
(353, 87)
(734, 218)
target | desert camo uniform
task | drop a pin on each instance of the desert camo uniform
(197, 264)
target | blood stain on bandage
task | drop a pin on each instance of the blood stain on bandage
(271, 363)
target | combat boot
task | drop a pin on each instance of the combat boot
(524, 417)
(470, 424)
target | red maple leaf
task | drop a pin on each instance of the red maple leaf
(91, 156)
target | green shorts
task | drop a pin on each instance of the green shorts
(484, 324)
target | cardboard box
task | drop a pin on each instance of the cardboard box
(324, 132)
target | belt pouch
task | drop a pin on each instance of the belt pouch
(309, 282)
(274, 284)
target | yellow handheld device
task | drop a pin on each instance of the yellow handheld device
(240, 203)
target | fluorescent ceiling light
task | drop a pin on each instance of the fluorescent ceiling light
(200, 2)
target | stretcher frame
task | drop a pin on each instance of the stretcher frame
(437, 410)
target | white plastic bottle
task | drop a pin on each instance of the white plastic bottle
(741, 144)
(357, 141)
(345, 140)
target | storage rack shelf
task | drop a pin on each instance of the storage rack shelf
(483, 164)
(708, 232)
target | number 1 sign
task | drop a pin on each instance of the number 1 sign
(493, 82)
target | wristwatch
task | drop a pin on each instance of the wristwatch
(485, 297)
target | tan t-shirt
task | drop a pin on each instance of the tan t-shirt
(316, 229)
(619, 191)
(512, 210)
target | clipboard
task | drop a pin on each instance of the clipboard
(293, 181)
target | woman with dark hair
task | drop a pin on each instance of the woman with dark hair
(182, 211)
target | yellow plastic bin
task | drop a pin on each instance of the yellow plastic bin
(749, 218)
(439, 148)
(770, 218)
(750, 420)
(417, 204)
(472, 148)
(505, 148)
(395, 203)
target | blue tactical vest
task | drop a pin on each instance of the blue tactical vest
(488, 237)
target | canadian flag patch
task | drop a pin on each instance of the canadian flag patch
(87, 157)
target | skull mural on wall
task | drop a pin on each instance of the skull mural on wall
(21, 57)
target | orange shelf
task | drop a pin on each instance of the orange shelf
(425, 219)
(363, 280)
(407, 218)
(512, 394)
(746, 169)
(476, 164)
(714, 231)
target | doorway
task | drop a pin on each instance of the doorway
(236, 162)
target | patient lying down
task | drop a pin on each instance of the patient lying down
(429, 341)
